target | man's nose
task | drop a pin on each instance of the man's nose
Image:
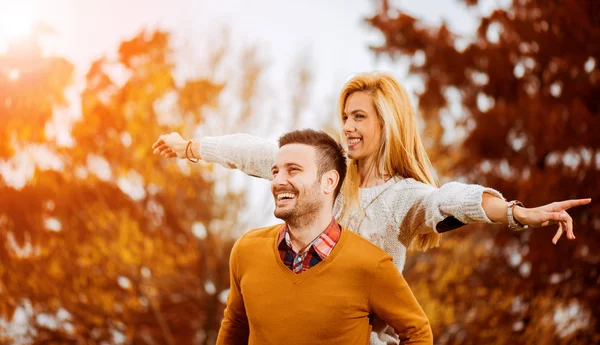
(279, 180)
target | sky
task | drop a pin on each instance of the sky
(332, 35)
(333, 32)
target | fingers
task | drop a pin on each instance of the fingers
(569, 223)
(160, 148)
(167, 153)
(558, 234)
(549, 218)
(163, 147)
(157, 143)
(162, 139)
(564, 226)
(567, 204)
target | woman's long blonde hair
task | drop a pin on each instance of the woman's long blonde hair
(400, 152)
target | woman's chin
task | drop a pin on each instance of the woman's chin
(355, 155)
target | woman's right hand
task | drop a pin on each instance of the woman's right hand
(173, 145)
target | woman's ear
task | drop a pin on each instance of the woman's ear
(329, 181)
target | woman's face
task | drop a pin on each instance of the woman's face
(361, 126)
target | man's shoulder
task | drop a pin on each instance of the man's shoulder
(267, 231)
(261, 235)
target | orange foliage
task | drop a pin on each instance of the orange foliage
(103, 248)
(528, 85)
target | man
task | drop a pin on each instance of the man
(309, 281)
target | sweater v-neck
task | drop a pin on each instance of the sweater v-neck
(367, 194)
(298, 278)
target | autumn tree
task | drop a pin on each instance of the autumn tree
(106, 243)
(516, 107)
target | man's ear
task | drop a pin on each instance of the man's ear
(329, 181)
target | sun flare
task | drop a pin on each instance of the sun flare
(16, 19)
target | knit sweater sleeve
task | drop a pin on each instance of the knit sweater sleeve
(392, 301)
(251, 155)
(234, 327)
(428, 209)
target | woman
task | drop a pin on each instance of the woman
(389, 196)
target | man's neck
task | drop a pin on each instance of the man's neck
(302, 234)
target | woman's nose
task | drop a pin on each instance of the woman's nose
(349, 126)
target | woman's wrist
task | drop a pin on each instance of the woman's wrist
(520, 214)
(195, 147)
(189, 154)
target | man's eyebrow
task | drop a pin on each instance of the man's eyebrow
(286, 165)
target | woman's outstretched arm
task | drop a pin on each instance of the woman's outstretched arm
(455, 204)
(497, 211)
(251, 155)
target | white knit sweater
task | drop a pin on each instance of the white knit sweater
(395, 211)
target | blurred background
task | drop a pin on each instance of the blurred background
(102, 242)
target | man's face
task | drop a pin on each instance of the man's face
(295, 186)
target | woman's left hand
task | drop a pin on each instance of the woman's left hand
(549, 214)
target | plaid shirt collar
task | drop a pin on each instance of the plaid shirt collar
(322, 245)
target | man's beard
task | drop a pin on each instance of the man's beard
(305, 211)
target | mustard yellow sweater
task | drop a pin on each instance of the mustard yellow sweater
(330, 303)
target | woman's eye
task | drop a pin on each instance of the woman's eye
(359, 116)
(344, 118)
